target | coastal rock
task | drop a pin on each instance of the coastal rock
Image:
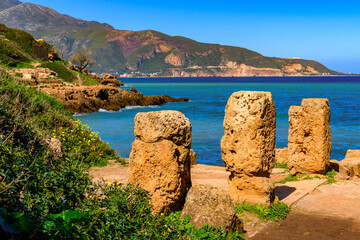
(254, 190)
(248, 144)
(83, 99)
(170, 125)
(112, 82)
(352, 153)
(161, 164)
(282, 155)
(309, 137)
(213, 206)
(56, 148)
(350, 167)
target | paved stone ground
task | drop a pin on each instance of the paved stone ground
(318, 211)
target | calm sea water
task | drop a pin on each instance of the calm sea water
(208, 97)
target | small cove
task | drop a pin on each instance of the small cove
(208, 97)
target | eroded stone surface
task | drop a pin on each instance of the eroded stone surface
(350, 167)
(171, 125)
(353, 153)
(282, 155)
(253, 190)
(161, 165)
(212, 206)
(309, 136)
(248, 144)
(56, 148)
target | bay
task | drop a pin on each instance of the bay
(208, 98)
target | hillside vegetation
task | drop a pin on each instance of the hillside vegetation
(44, 195)
(119, 51)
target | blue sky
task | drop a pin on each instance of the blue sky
(326, 31)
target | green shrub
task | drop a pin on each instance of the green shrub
(277, 211)
(63, 72)
(188, 231)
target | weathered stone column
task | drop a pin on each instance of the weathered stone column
(309, 136)
(248, 146)
(160, 158)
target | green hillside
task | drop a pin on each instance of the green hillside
(18, 47)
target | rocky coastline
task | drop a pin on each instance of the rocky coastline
(86, 99)
(81, 98)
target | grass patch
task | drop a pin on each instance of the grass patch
(291, 179)
(63, 72)
(280, 165)
(87, 80)
(276, 212)
(330, 176)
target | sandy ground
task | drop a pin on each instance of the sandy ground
(318, 210)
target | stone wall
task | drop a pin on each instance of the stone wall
(248, 146)
(309, 136)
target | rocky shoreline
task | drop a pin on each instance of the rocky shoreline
(79, 98)
(86, 99)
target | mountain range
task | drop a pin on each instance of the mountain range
(146, 52)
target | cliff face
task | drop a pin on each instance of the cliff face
(145, 52)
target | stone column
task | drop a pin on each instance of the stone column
(309, 136)
(248, 146)
(160, 158)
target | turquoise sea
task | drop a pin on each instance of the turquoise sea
(208, 97)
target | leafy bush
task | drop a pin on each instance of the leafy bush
(276, 212)
(80, 143)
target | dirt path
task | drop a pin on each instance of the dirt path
(304, 226)
(318, 211)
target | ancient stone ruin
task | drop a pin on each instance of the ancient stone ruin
(350, 165)
(282, 155)
(248, 146)
(309, 136)
(160, 158)
(212, 206)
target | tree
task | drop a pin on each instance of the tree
(82, 57)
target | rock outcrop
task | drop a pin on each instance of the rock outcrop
(350, 165)
(160, 158)
(352, 153)
(309, 137)
(213, 206)
(248, 146)
(83, 99)
(282, 155)
(56, 149)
